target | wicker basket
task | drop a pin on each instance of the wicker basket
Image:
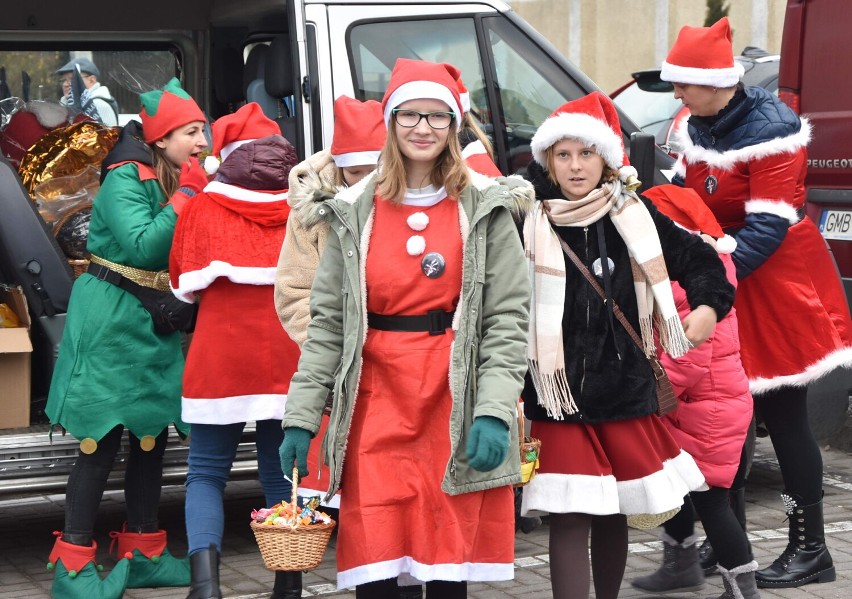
(296, 548)
(530, 448)
(646, 521)
(78, 267)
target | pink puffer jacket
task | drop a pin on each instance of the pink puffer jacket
(714, 403)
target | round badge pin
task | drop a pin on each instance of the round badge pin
(433, 265)
(711, 184)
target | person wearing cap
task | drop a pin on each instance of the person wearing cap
(476, 147)
(745, 154)
(418, 324)
(591, 392)
(711, 422)
(115, 370)
(225, 248)
(95, 100)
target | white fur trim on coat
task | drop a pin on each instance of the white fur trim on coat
(229, 410)
(727, 160)
(727, 77)
(195, 280)
(243, 194)
(776, 207)
(841, 358)
(474, 572)
(580, 126)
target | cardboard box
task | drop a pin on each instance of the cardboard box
(15, 353)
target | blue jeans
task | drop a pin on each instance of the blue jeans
(212, 448)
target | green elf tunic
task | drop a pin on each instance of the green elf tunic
(112, 367)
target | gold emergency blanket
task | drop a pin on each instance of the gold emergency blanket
(66, 151)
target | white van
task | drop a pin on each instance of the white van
(291, 56)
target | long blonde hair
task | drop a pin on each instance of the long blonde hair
(450, 170)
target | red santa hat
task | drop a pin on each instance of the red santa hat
(241, 127)
(164, 110)
(686, 208)
(359, 132)
(591, 119)
(464, 95)
(703, 56)
(419, 79)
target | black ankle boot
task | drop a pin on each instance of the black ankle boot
(288, 585)
(204, 566)
(806, 558)
(707, 558)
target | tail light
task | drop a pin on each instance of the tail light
(791, 99)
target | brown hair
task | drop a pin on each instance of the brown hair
(167, 175)
(469, 123)
(609, 173)
(450, 169)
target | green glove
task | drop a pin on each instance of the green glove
(488, 443)
(294, 448)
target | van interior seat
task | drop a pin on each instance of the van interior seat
(253, 74)
(278, 80)
(228, 76)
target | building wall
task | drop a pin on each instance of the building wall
(609, 39)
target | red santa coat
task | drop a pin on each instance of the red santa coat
(793, 317)
(714, 403)
(225, 250)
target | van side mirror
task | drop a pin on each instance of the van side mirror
(642, 158)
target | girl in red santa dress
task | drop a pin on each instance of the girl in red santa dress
(744, 152)
(418, 324)
(592, 392)
(240, 361)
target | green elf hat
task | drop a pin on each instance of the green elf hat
(164, 110)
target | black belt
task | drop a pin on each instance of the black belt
(435, 322)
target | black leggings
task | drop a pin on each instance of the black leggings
(388, 589)
(143, 481)
(785, 414)
(726, 536)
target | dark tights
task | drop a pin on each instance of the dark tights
(143, 481)
(388, 589)
(724, 532)
(785, 415)
(570, 536)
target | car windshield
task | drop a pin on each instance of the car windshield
(651, 111)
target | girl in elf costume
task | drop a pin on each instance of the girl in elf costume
(240, 361)
(591, 392)
(114, 371)
(418, 323)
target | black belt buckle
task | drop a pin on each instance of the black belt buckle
(437, 326)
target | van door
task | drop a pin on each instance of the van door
(515, 77)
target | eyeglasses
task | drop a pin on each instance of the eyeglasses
(411, 118)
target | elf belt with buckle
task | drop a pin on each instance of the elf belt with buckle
(434, 322)
(112, 272)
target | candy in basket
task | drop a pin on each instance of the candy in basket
(291, 537)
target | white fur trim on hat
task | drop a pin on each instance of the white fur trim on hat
(417, 90)
(727, 77)
(227, 149)
(356, 158)
(211, 165)
(415, 245)
(726, 245)
(585, 128)
(464, 98)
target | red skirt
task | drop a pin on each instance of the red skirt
(624, 467)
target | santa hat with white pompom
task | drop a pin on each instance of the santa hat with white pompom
(591, 119)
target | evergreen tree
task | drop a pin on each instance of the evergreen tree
(716, 9)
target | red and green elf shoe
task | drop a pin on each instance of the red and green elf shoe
(75, 573)
(151, 564)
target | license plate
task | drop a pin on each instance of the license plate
(836, 224)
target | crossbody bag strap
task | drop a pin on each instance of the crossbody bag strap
(597, 287)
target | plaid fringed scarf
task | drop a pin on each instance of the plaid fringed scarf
(545, 351)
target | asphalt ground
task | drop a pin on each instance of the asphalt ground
(26, 525)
